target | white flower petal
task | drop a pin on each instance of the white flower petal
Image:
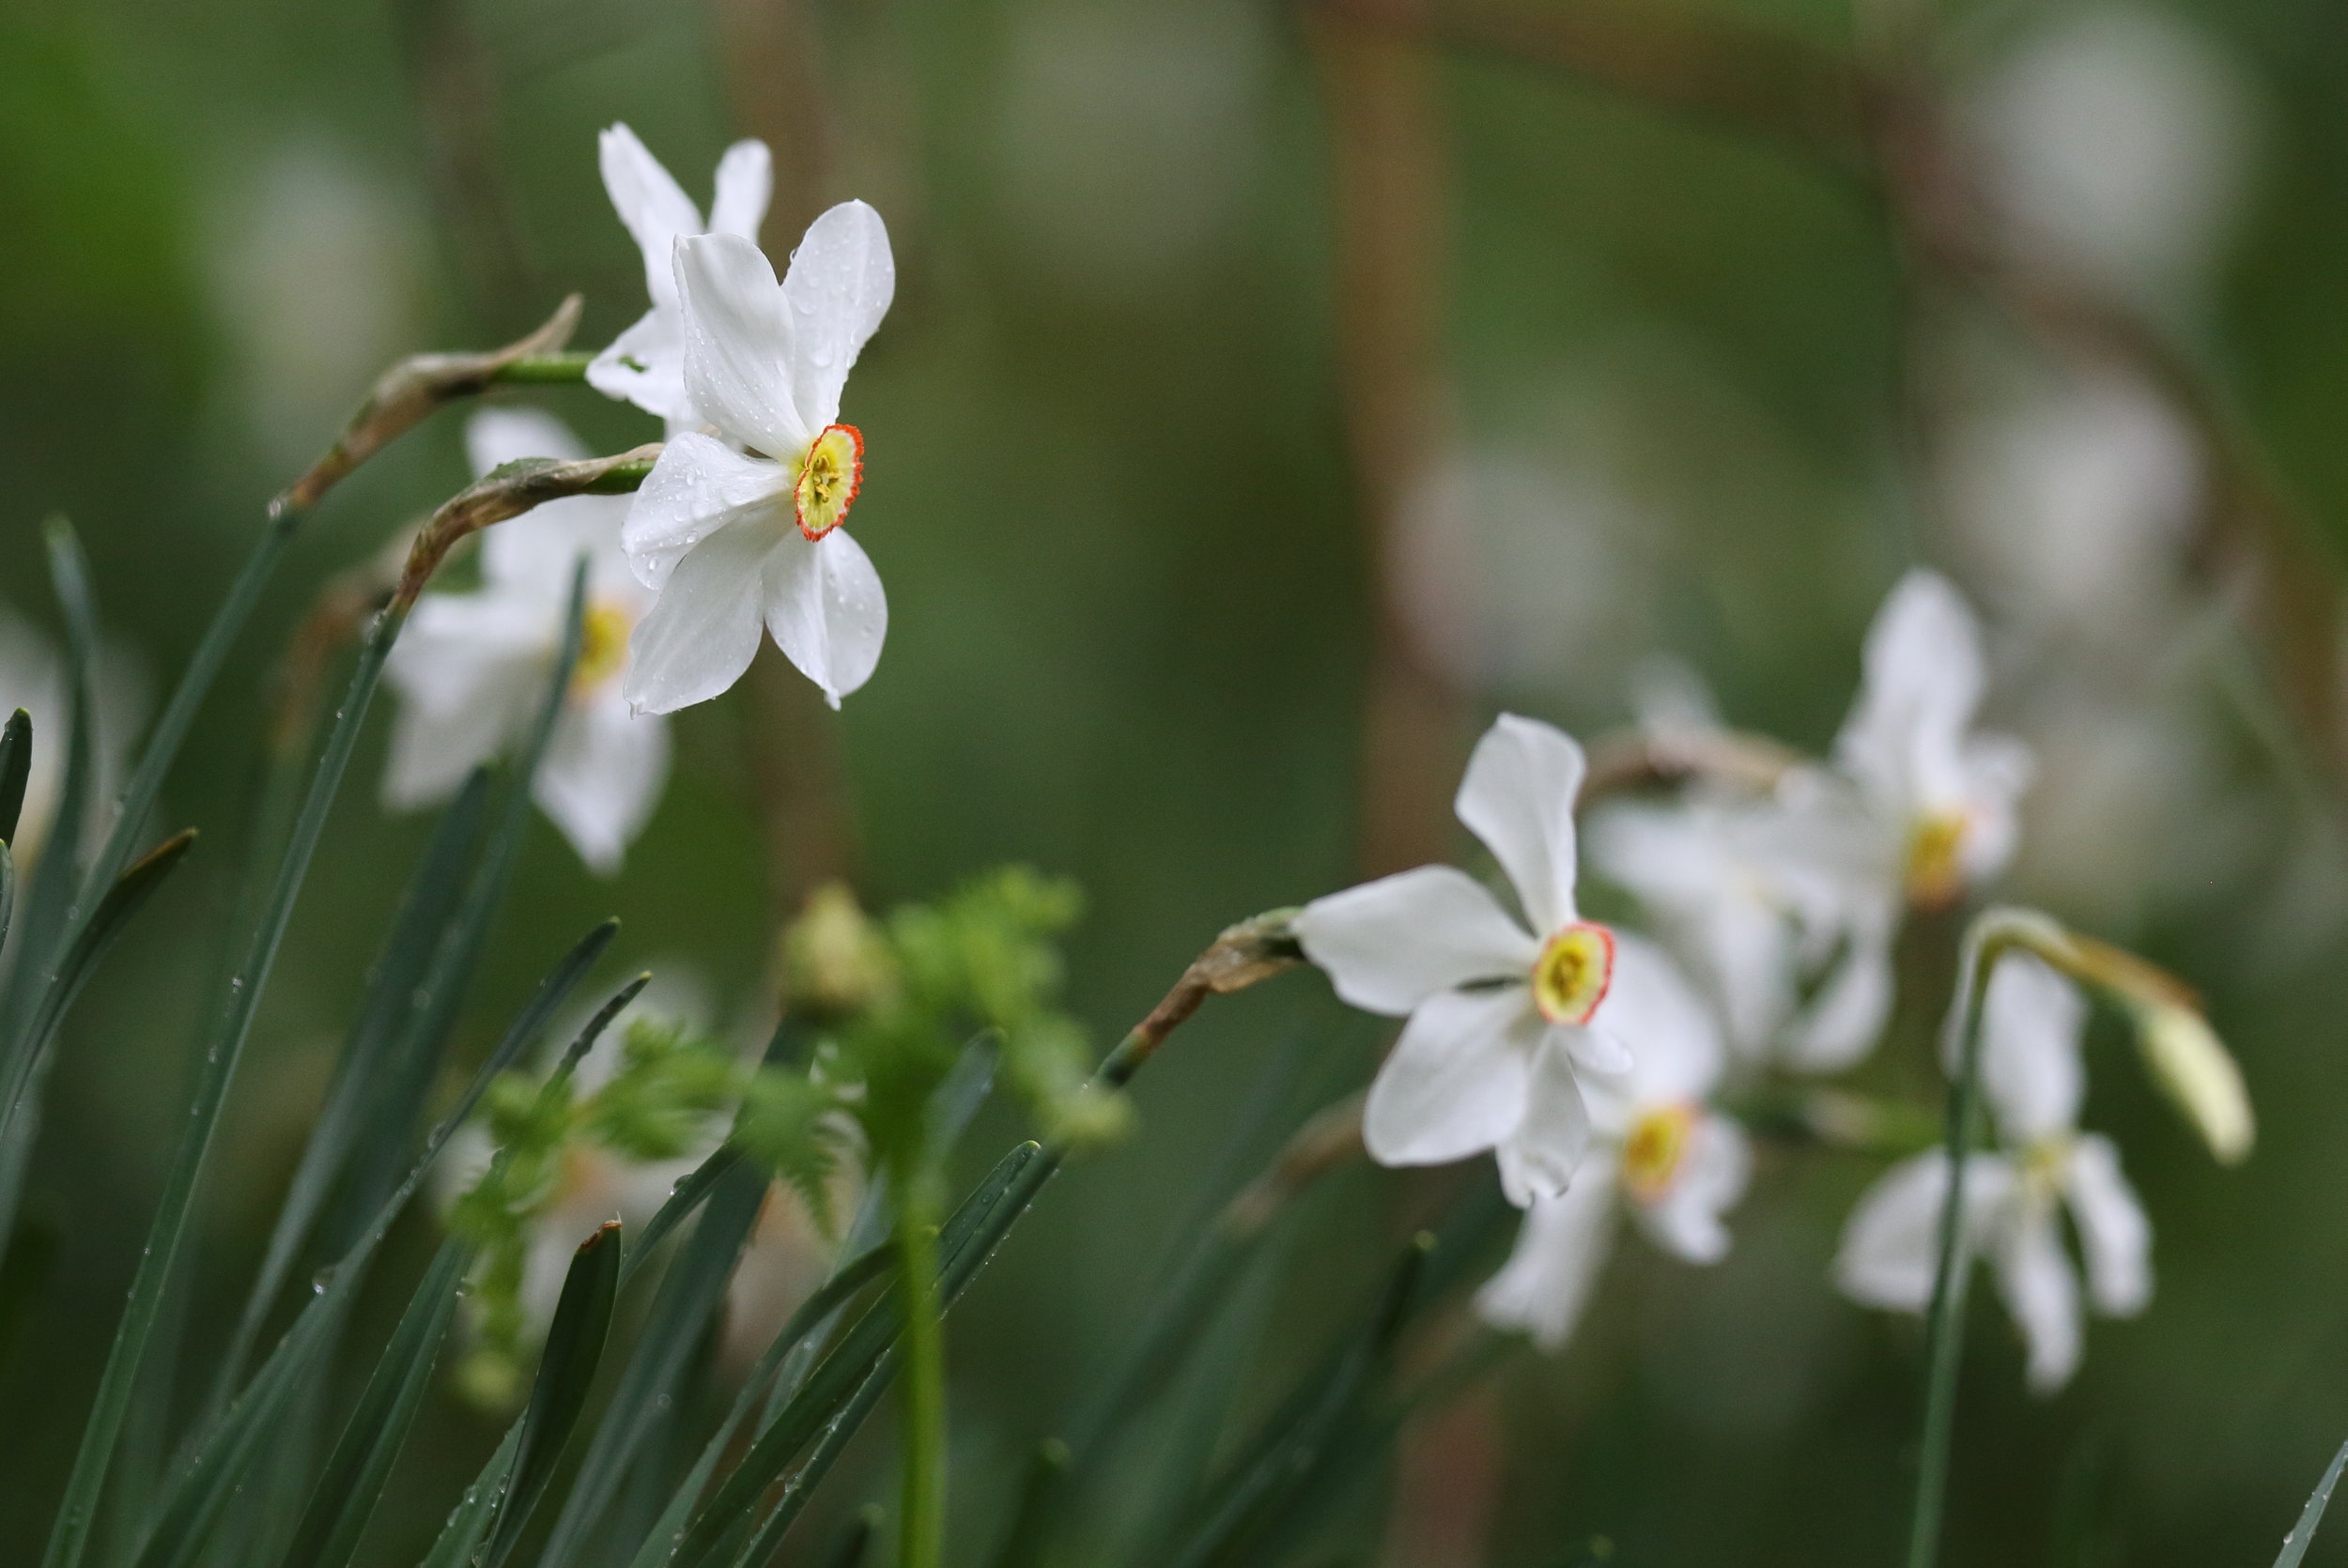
(1844, 1020)
(1923, 678)
(470, 669)
(1997, 770)
(601, 777)
(1518, 797)
(649, 201)
(1560, 1249)
(1456, 1083)
(2113, 1231)
(1540, 1157)
(539, 551)
(702, 631)
(699, 487)
(745, 182)
(1890, 1246)
(1389, 945)
(1673, 1047)
(1687, 1221)
(495, 436)
(645, 365)
(1594, 1046)
(738, 346)
(2032, 1070)
(824, 606)
(2043, 1294)
(839, 284)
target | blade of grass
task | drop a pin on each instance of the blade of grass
(2303, 1533)
(567, 1372)
(352, 1481)
(351, 1109)
(26, 1269)
(460, 1538)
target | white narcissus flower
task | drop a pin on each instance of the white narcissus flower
(730, 540)
(1919, 808)
(470, 669)
(645, 365)
(1499, 1015)
(1659, 1154)
(2032, 1076)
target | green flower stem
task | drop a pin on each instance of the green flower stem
(923, 1526)
(1985, 941)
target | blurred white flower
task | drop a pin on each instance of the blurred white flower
(470, 669)
(1658, 1154)
(645, 365)
(33, 678)
(2121, 137)
(730, 539)
(1499, 1016)
(2032, 1076)
(1919, 807)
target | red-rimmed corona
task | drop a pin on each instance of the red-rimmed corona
(1570, 978)
(828, 480)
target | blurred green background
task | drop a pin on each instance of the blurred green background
(1111, 492)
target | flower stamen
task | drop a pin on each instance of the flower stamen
(828, 480)
(603, 631)
(1570, 978)
(1654, 1150)
(1936, 869)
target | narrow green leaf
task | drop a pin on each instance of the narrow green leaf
(352, 1481)
(686, 1196)
(567, 1372)
(2303, 1533)
(460, 1538)
(16, 769)
(221, 1448)
(352, 1110)
(805, 1326)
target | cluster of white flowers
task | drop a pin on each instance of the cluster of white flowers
(737, 528)
(1591, 1060)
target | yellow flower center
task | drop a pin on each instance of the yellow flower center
(2044, 1163)
(828, 479)
(1935, 872)
(1570, 978)
(1652, 1153)
(602, 647)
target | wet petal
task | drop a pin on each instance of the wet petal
(2113, 1231)
(824, 606)
(702, 631)
(1518, 797)
(1560, 1248)
(699, 487)
(645, 365)
(840, 282)
(1455, 1084)
(738, 349)
(1389, 945)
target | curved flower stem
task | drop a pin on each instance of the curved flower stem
(541, 370)
(1986, 939)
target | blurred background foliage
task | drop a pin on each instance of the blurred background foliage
(1677, 389)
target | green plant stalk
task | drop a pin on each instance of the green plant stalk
(921, 1529)
(1985, 941)
(540, 370)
